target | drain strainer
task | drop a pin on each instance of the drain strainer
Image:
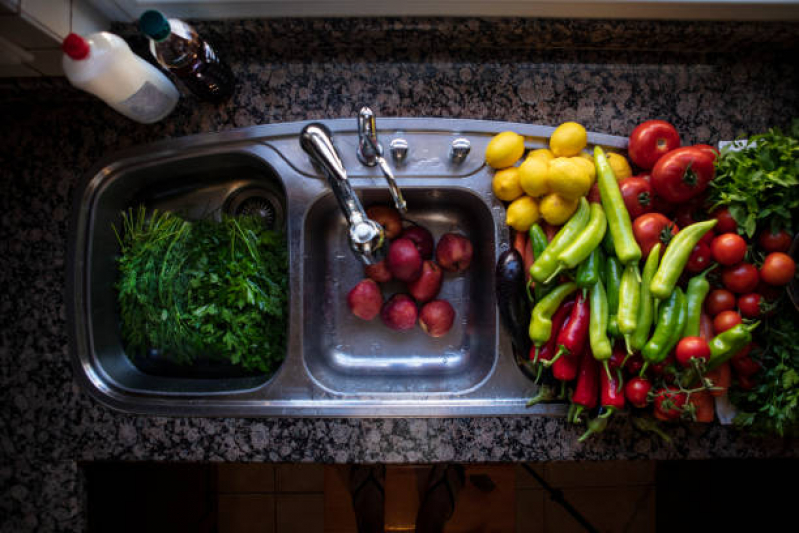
(259, 202)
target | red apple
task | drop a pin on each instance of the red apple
(427, 286)
(422, 238)
(399, 312)
(378, 272)
(436, 318)
(404, 260)
(388, 217)
(365, 299)
(454, 252)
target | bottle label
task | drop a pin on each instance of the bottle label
(149, 103)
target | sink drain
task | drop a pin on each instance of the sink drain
(258, 202)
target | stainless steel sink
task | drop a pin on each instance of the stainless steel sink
(336, 365)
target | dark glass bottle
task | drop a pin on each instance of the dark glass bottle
(178, 48)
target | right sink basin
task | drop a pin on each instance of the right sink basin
(347, 355)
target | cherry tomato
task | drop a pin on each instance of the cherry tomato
(634, 364)
(637, 195)
(726, 320)
(692, 348)
(769, 292)
(684, 216)
(593, 194)
(708, 237)
(700, 258)
(745, 366)
(669, 403)
(708, 150)
(740, 278)
(749, 305)
(637, 391)
(726, 224)
(718, 301)
(682, 174)
(774, 242)
(728, 249)
(778, 269)
(661, 368)
(652, 228)
(650, 141)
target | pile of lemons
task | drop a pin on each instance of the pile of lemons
(550, 181)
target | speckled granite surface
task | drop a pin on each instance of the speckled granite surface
(606, 75)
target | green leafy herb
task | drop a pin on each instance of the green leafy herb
(203, 289)
(760, 183)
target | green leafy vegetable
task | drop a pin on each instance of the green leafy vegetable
(760, 183)
(203, 289)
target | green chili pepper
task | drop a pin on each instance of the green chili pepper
(695, 294)
(621, 227)
(590, 270)
(613, 270)
(598, 323)
(629, 302)
(723, 347)
(655, 350)
(682, 315)
(676, 256)
(541, 321)
(607, 243)
(539, 242)
(546, 265)
(587, 241)
(646, 311)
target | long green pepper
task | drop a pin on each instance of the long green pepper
(539, 242)
(646, 311)
(676, 257)
(723, 347)
(598, 323)
(656, 349)
(546, 265)
(590, 270)
(695, 294)
(629, 303)
(613, 271)
(621, 227)
(586, 242)
(541, 320)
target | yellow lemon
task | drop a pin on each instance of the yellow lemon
(587, 165)
(620, 166)
(568, 178)
(504, 149)
(543, 153)
(586, 156)
(568, 139)
(556, 209)
(533, 176)
(506, 184)
(522, 213)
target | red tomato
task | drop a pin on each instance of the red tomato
(718, 301)
(707, 149)
(637, 391)
(700, 258)
(726, 224)
(774, 242)
(778, 269)
(682, 174)
(660, 368)
(652, 228)
(669, 403)
(692, 348)
(749, 305)
(684, 216)
(659, 205)
(637, 195)
(728, 249)
(746, 350)
(650, 141)
(740, 278)
(708, 237)
(744, 366)
(726, 320)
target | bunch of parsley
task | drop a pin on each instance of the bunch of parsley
(203, 289)
(760, 183)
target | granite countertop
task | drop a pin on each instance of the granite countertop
(712, 80)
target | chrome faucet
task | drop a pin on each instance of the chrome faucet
(367, 238)
(370, 153)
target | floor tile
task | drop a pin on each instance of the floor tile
(300, 513)
(619, 509)
(486, 511)
(529, 511)
(246, 513)
(402, 496)
(245, 477)
(300, 477)
(338, 511)
(523, 478)
(564, 474)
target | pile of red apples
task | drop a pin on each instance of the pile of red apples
(410, 260)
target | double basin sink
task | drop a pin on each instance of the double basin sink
(336, 364)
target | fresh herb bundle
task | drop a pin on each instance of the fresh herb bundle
(207, 289)
(760, 183)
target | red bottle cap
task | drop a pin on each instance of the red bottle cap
(75, 46)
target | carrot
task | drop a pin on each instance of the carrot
(519, 241)
(529, 257)
(550, 230)
(722, 378)
(704, 406)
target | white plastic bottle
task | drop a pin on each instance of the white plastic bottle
(104, 65)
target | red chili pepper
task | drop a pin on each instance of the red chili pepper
(611, 399)
(619, 356)
(572, 336)
(566, 367)
(547, 351)
(634, 364)
(586, 393)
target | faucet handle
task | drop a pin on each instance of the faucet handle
(369, 148)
